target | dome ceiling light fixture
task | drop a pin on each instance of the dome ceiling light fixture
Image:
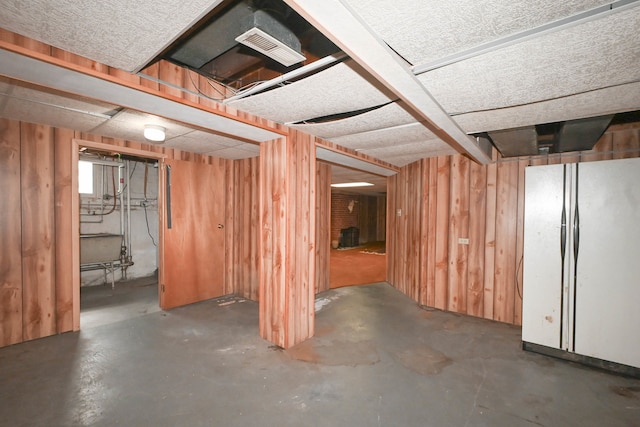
(154, 133)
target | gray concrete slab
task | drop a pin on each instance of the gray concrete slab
(377, 360)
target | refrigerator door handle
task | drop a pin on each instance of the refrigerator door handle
(576, 234)
(563, 250)
(563, 233)
(576, 247)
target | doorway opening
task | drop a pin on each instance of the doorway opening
(358, 230)
(119, 235)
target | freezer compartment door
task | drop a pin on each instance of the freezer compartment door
(547, 191)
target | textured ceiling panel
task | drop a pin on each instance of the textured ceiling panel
(596, 103)
(426, 30)
(47, 114)
(129, 125)
(388, 116)
(403, 154)
(25, 102)
(399, 145)
(40, 95)
(123, 34)
(339, 89)
(395, 136)
(244, 152)
(203, 142)
(340, 175)
(586, 57)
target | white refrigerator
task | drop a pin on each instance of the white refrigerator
(581, 266)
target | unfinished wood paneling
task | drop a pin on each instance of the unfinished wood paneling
(323, 226)
(287, 218)
(171, 73)
(459, 199)
(243, 229)
(430, 205)
(38, 231)
(477, 222)
(442, 233)
(459, 229)
(602, 150)
(381, 218)
(626, 144)
(506, 234)
(64, 242)
(414, 218)
(10, 235)
(391, 232)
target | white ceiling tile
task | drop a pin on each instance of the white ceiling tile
(344, 87)
(403, 154)
(123, 34)
(426, 30)
(612, 100)
(582, 58)
(388, 116)
(129, 125)
(341, 175)
(386, 137)
(47, 114)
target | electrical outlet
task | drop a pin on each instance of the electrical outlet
(463, 240)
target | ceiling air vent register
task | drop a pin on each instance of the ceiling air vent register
(258, 40)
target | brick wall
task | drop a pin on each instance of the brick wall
(340, 215)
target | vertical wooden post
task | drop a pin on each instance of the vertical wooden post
(38, 232)
(64, 216)
(10, 235)
(287, 219)
(323, 225)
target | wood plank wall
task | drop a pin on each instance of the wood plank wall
(10, 235)
(36, 266)
(442, 200)
(243, 231)
(287, 219)
(38, 231)
(323, 225)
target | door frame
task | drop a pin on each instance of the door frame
(76, 145)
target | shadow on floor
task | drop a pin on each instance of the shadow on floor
(101, 305)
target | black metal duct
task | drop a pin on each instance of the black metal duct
(560, 137)
(220, 35)
(582, 134)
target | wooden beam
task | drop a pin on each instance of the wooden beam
(344, 28)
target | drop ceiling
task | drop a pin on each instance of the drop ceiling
(467, 66)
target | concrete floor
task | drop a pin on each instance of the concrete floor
(377, 360)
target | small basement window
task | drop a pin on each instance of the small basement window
(85, 177)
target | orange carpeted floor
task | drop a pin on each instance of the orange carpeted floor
(358, 266)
